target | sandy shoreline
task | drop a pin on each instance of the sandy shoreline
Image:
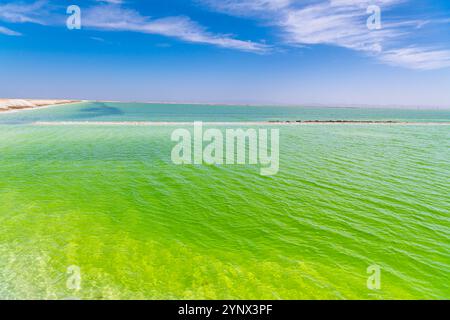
(246, 123)
(16, 105)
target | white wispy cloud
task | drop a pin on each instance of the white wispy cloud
(111, 15)
(340, 23)
(117, 18)
(9, 32)
(20, 12)
(417, 58)
(337, 22)
(247, 7)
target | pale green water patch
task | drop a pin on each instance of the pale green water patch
(117, 112)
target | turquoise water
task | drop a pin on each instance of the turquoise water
(99, 111)
(109, 200)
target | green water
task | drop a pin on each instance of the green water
(110, 112)
(110, 201)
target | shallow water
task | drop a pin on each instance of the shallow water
(110, 201)
(102, 111)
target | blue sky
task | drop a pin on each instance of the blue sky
(230, 51)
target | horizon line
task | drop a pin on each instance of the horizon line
(246, 104)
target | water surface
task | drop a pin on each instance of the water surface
(109, 200)
(118, 112)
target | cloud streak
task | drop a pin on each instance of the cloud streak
(9, 32)
(419, 58)
(339, 23)
(117, 18)
(23, 13)
(110, 15)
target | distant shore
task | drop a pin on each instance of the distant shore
(14, 105)
(17, 105)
